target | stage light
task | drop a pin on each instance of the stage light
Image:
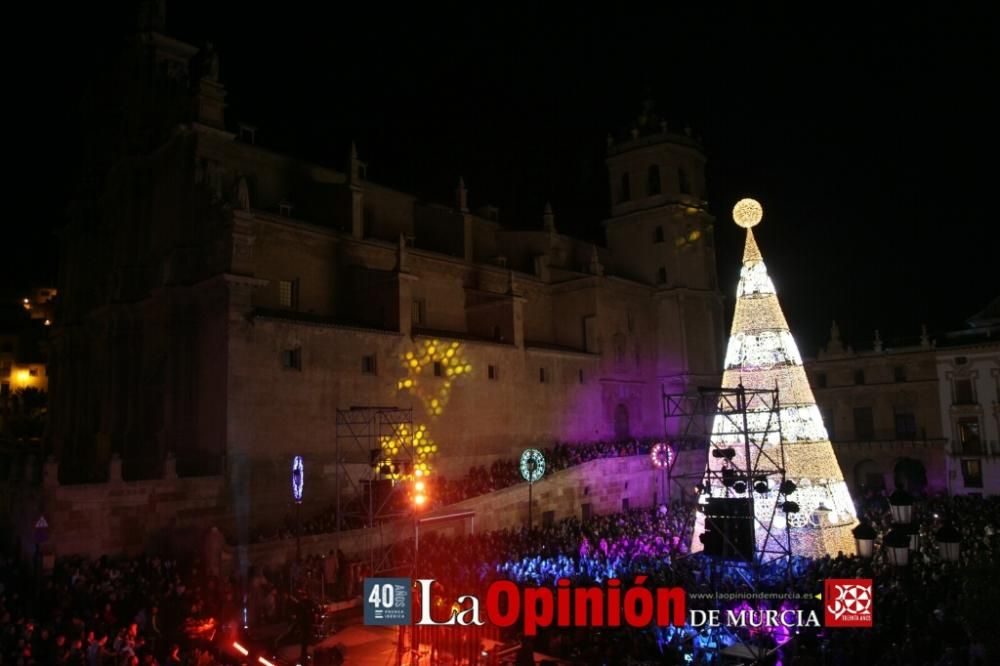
(728, 477)
(419, 486)
(740, 487)
(239, 648)
(761, 487)
(787, 487)
(728, 453)
(790, 507)
(265, 662)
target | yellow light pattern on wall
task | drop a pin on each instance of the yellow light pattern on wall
(392, 447)
(433, 391)
(431, 372)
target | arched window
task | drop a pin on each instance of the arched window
(653, 180)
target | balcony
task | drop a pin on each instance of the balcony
(890, 441)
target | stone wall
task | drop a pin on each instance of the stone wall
(164, 515)
(603, 484)
(172, 514)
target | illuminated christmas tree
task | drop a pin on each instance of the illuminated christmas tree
(763, 355)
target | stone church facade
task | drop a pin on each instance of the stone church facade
(220, 302)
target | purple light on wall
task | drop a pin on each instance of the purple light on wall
(298, 478)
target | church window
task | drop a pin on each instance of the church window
(653, 180)
(291, 359)
(683, 182)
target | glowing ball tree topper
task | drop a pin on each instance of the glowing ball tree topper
(747, 213)
(662, 455)
(298, 478)
(532, 465)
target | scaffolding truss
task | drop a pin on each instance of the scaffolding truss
(749, 418)
(368, 493)
(712, 420)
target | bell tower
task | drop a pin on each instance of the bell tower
(660, 230)
(660, 234)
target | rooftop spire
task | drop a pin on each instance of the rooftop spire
(549, 218)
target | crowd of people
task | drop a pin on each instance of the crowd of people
(106, 612)
(150, 610)
(933, 612)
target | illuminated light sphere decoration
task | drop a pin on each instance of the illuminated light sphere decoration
(532, 465)
(298, 478)
(662, 455)
(747, 213)
(762, 355)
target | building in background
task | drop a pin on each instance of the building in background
(25, 320)
(921, 416)
(968, 370)
(219, 302)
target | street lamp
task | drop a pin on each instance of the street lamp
(419, 498)
(864, 539)
(897, 544)
(949, 544)
(901, 506)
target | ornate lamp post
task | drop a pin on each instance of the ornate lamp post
(901, 507)
(897, 545)
(532, 469)
(864, 539)
(949, 544)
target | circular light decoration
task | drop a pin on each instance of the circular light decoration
(298, 478)
(532, 465)
(662, 455)
(747, 213)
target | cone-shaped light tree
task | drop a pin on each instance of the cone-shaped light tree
(763, 355)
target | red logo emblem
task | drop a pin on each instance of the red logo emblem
(848, 602)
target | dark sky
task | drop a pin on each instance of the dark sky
(870, 135)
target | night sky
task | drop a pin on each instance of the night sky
(870, 136)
